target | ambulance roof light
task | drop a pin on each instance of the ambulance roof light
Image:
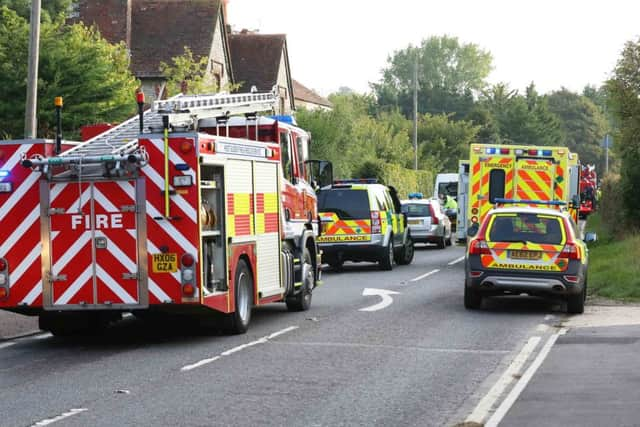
(416, 195)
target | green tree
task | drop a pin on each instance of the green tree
(188, 74)
(76, 63)
(449, 73)
(623, 96)
(50, 9)
(582, 123)
(443, 141)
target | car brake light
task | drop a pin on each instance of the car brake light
(434, 218)
(572, 279)
(479, 247)
(570, 251)
(375, 222)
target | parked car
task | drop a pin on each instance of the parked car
(427, 221)
(527, 250)
(361, 220)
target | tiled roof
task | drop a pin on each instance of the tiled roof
(307, 95)
(256, 59)
(162, 28)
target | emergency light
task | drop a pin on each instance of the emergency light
(4, 174)
(6, 187)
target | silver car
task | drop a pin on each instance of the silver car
(427, 221)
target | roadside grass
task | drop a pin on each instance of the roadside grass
(614, 271)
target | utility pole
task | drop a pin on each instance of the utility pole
(30, 123)
(606, 153)
(415, 111)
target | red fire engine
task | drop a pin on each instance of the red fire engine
(203, 212)
(588, 190)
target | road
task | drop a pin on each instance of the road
(414, 357)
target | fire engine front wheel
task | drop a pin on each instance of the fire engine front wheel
(238, 321)
(302, 300)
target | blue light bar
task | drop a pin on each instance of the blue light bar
(547, 152)
(4, 174)
(416, 195)
(182, 166)
(532, 202)
(491, 150)
(285, 119)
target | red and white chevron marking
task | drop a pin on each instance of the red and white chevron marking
(177, 236)
(20, 226)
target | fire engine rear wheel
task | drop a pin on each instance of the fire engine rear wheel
(238, 321)
(302, 300)
(387, 257)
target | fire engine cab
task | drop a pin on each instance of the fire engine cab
(197, 206)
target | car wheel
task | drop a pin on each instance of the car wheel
(448, 241)
(472, 299)
(386, 259)
(238, 321)
(442, 243)
(575, 303)
(302, 300)
(406, 255)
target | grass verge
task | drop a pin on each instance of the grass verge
(614, 270)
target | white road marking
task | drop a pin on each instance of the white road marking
(542, 327)
(549, 317)
(383, 293)
(262, 340)
(457, 260)
(396, 347)
(481, 410)
(522, 383)
(71, 413)
(42, 336)
(7, 344)
(425, 275)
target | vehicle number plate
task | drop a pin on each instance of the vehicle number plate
(415, 221)
(165, 263)
(525, 255)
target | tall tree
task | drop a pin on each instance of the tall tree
(582, 123)
(443, 142)
(76, 63)
(449, 73)
(50, 8)
(624, 102)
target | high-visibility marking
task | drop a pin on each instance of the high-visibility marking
(457, 260)
(262, 340)
(415, 279)
(64, 415)
(75, 287)
(486, 403)
(506, 404)
(114, 286)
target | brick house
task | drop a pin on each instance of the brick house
(262, 60)
(155, 31)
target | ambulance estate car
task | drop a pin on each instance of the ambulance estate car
(362, 221)
(529, 250)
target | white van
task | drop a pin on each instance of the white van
(446, 183)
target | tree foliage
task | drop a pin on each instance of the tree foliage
(443, 142)
(583, 125)
(449, 72)
(50, 9)
(76, 63)
(623, 98)
(188, 74)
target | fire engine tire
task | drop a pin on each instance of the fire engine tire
(472, 299)
(238, 321)
(406, 254)
(302, 300)
(387, 256)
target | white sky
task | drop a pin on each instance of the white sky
(555, 43)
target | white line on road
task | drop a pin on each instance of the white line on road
(7, 344)
(425, 275)
(42, 336)
(237, 349)
(382, 293)
(71, 413)
(457, 260)
(524, 380)
(481, 411)
(396, 347)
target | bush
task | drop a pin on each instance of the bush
(404, 180)
(611, 206)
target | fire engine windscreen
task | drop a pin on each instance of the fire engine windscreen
(346, 203)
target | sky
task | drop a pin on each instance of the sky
(554, 43)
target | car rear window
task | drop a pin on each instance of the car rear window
(416, 209)
(526, 227)
(346, 203)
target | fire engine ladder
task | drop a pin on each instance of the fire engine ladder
(116, 150)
